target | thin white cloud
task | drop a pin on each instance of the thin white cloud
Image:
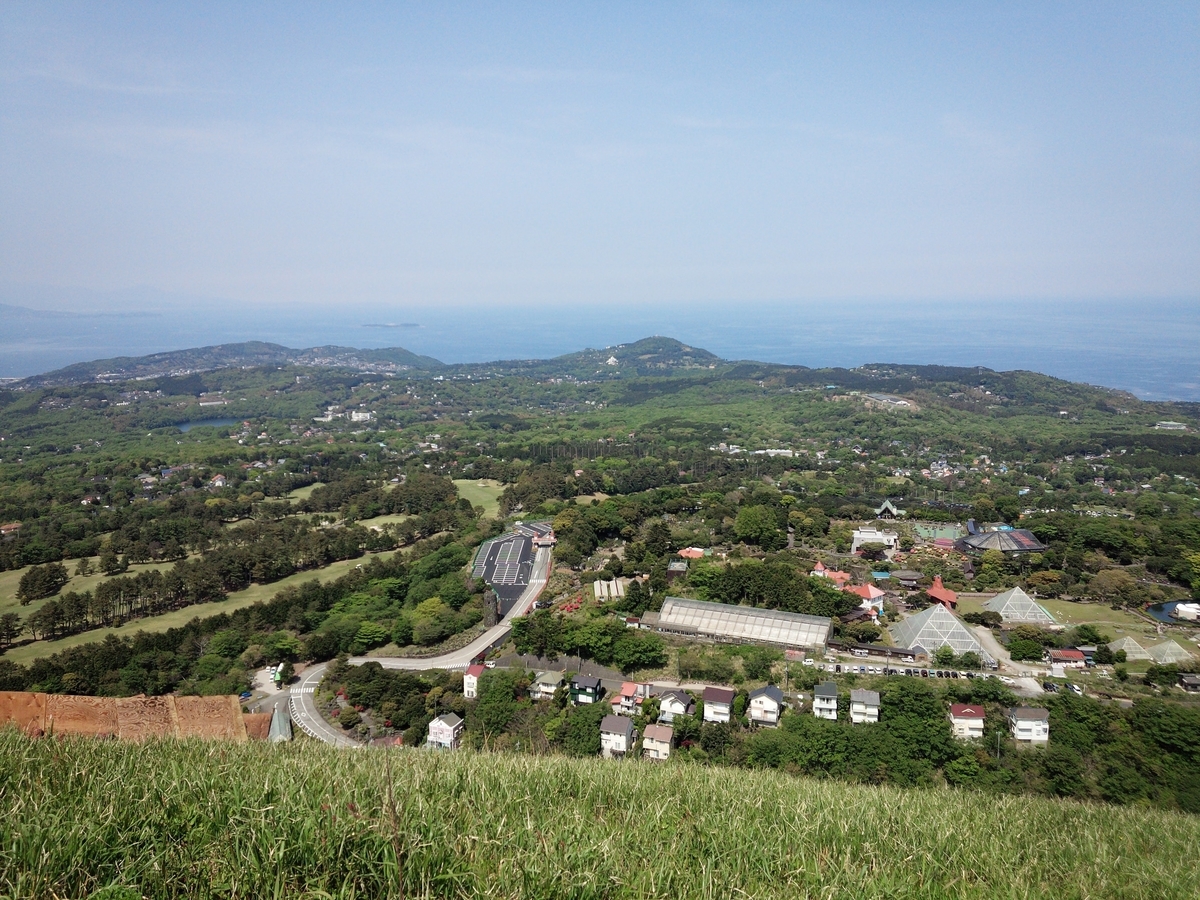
(520, 75)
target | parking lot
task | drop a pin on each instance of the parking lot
(506, 562)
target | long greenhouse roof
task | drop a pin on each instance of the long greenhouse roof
(745, 622)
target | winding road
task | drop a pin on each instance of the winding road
(302, 701)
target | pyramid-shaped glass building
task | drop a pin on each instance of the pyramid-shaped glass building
(1016, 606)
(937, 627)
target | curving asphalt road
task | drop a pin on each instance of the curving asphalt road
(303, 700)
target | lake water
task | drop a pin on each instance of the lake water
(207, 423)
(1151, 349)
(1162, 612)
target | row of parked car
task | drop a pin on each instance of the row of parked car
(856, 669)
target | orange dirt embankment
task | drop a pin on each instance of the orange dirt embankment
(132, 718)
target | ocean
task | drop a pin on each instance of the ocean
(1149, 348)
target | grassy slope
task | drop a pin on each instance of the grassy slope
(11, 579)
(305, 820)
(237, 600)
(485, 493)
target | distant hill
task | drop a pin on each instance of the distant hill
(226, 356)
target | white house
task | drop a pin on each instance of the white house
(1029, 725)
(675, 703)
(864, 706)
(718, 704)
(445, 732)
(545, 685)
(617, 736)
(871, 535)
(766, 705)
(825, 701)
(966, 721)
(656, 741)
(471, 681)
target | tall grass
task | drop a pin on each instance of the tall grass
(190, 819)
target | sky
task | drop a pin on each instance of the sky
(459, 155)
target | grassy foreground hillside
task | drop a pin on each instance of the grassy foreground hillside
(78, 817)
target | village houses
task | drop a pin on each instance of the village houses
(864, 707)
(825, 700)
(656, 741)
(718, 704)
(471, 681)
(1029, 725)
(675, 703)
(617, 736)
(766, 705)
(545, 685)
(445, 732)
(966, 721)
(584, 689)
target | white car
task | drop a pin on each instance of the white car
(808, 662)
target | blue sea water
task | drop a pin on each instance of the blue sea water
(1150, 348)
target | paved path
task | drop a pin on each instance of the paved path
(303, 700)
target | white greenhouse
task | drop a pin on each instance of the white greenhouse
(937, 627)
(1015, 605)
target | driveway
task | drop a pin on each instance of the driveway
(303, 700)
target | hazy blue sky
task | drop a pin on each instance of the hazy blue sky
(456, 154)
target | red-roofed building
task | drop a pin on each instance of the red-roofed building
(691, 553)
(867, 591)
(471, 681)
(627, 701)
(966, 721)
(942, 594)
(841, 579)
(1071, 659)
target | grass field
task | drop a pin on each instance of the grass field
(186, 819)
(10, 580)
(380, 521)
(237, 600)
(304, 492)
(1068, 612)
(482, 492)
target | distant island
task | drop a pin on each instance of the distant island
(392, 325)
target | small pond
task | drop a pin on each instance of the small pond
(1162, 612)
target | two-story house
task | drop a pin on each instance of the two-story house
(825, 700)
(675, 703)
(628, 701)
(656, 741)
(766, 705)
(617, 736)
(864, 707)
(1029, 725)
(545, 685)
(445, 732)
(471, 681)
(966, 721)
(718, 704)
(584, 689)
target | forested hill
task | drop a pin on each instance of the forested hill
(650, 367)
(227, 356)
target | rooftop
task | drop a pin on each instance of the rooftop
(743, 622)
(1030, 714)
(718, 695)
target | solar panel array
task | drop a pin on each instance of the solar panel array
(508, 562)
(746, 622)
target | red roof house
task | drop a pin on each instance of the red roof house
(942, 594)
